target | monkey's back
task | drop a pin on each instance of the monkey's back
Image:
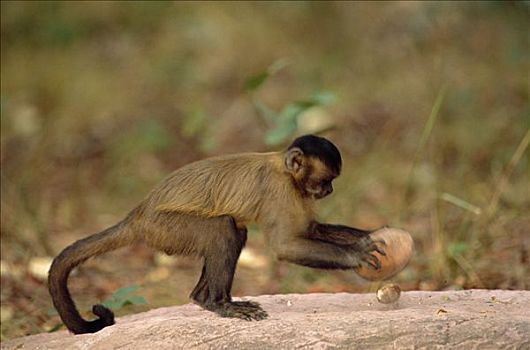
(227, 185)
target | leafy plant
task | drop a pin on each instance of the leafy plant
(123, 297)
(282, 125)
(286, 122)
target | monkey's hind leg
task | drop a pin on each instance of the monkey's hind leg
(212, 292)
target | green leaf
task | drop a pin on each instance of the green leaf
(291, 112)
(122, 292)
(122, 297)
(154, 136)
(149, 135)
(457, 248)
(324, 98)
(264, 111)
(137, 300)
(287, 120)
(278, 65)
(256, 81)
(195, 123)
(320, 98)
(113, 304)
(278, 135)
(286, 125)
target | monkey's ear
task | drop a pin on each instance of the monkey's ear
(293, 159)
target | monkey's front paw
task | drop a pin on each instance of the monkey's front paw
(391, 247)
(246, 310)
(367, 246)
(372, 261)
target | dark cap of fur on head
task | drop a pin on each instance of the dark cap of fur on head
(320, 148)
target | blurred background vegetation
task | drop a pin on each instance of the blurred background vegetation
(428, 102)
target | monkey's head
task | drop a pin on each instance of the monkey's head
(313, 163)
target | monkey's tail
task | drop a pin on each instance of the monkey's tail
(110, 239)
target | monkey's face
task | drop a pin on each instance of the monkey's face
(317, 182)
(318, 189)
(311, 176)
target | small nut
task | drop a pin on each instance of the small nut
(389, 293)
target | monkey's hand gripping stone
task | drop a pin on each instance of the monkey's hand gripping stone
(398, 246)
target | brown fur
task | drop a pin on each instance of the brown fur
(238, 185)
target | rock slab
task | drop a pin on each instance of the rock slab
(471, 319)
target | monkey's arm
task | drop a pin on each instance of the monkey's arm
(313, 251)
(337, 234)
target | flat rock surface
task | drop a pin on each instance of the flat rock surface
(471, 319)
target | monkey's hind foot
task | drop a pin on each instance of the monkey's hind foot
(245, 310)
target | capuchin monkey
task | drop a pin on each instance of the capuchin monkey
(203, 209)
